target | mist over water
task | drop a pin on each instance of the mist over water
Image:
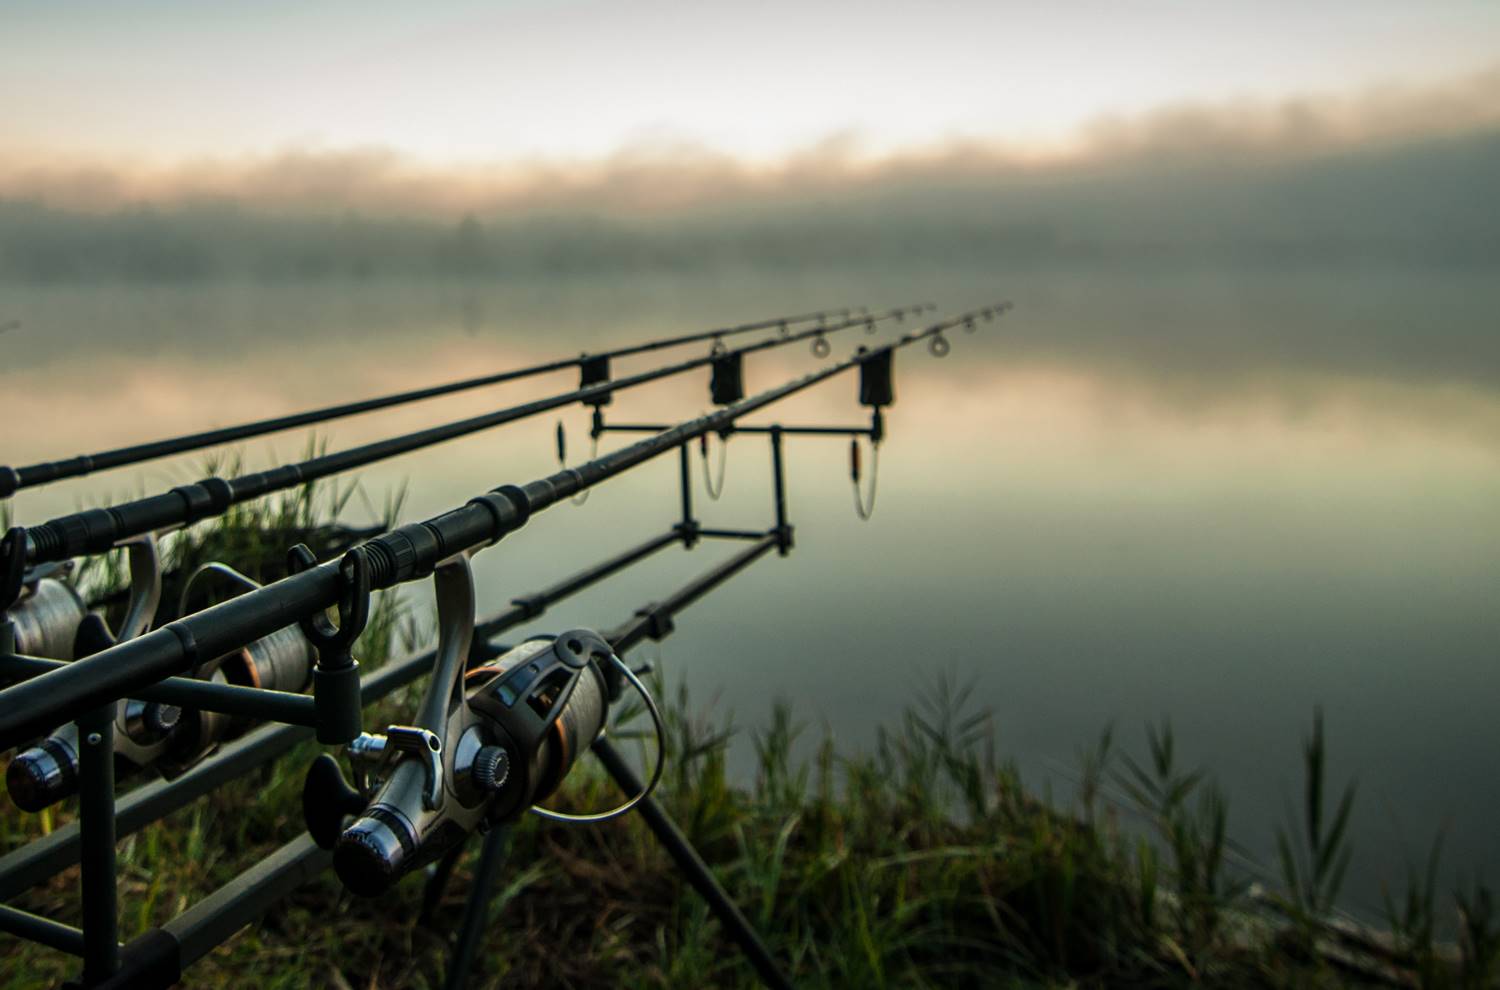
(1220, 494)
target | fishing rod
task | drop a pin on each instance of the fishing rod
(32, 864)
(412, 551)
(14, 479)
(47, 614)
(98, 530)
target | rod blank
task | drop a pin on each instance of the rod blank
(98, 530)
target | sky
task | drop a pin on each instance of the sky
(575, 81)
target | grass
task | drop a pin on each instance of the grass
(922, 862)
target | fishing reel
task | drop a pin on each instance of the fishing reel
(47, 616)
(158, 736)
(50, 619)
(488, 744)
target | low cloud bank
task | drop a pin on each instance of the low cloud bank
(1403, 175)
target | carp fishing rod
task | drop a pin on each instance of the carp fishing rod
(14, 479)
(98, 530)
(33, 707)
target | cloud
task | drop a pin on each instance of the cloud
(674, 175)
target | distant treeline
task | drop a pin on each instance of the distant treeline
(1431, 203)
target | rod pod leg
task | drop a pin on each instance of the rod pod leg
(96, 820)
(693, 868)
(437, 883)
(477, 910)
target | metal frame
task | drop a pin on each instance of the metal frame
(158, 957)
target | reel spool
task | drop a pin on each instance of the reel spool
(47, 616)
(280, 661)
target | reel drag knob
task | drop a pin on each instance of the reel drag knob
(491, 769)
(161, 717)
(147, 722)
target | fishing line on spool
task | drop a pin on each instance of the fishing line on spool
(562, 457)
(661, 759)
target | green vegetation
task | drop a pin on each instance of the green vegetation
(923, 862)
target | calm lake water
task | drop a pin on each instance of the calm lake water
(1217, 496)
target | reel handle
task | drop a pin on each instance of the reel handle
(327, 799)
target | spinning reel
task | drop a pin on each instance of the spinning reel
(48, 617)
(488, 743)
(165, 738)
(45, 618)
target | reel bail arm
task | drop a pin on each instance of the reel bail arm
(145, 584)
(12, 566)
